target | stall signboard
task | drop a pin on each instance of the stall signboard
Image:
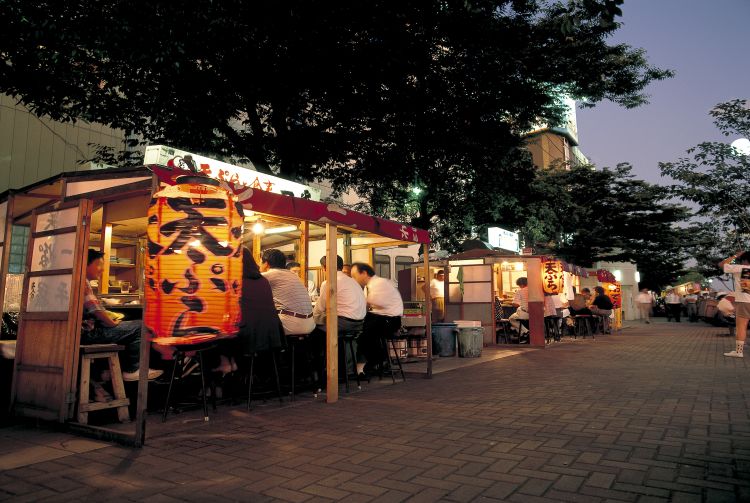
(238, 176)
(498, 237)
(614, 290)
(553, 277)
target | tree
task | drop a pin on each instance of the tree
(379, 97)
(714, 177)
(585, 215)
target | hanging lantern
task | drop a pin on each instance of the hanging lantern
(194, 261)
(614, 291)
(553, 277)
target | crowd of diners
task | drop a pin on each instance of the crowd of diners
(275, 303)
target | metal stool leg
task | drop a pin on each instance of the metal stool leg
(384, 343)
(203, 386)
(276, 373)
(250, 381)
(177, 357)
(354, 362)
(398, 361)
(342, 351)
(294, 345)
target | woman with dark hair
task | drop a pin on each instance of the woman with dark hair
(260, 328)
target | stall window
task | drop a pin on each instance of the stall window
(19, 241)
(383, 266)
(403, 262)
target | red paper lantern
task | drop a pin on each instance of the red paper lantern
(553, 280)
(193, 261)
(614, 291)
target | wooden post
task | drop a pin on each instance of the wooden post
(106, 248)
(536, 302)
(428, 307)
(348, 249)
(304, 250)
(332, 322)
(257, 238)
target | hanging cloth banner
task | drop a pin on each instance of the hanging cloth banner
(305, 209)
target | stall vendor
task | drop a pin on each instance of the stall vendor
(99, 327)
(521, 302)
(437, 294)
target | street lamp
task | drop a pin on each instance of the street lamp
(742, 146)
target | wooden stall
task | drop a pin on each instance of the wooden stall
(106, 209)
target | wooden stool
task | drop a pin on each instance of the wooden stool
(294, 340)
(385, 339)
(89, 353)
(583, 326)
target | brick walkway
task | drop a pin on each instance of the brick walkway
(653, 414)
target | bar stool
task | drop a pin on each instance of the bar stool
(583, 326)
(182, 346)
(398, 335)
(89, 353)
(294, 340)
(552, 328)
(347, 337)
(252, 374)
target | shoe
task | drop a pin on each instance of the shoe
(101, 394)
(133, 376)
(734, 354)
(648, 322)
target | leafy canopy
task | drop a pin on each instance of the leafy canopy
(377, 96)
(714, 178)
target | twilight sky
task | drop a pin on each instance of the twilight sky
(706, 43)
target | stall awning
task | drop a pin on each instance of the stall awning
(258, 200)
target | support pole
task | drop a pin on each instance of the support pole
(106, 242)
(332, 322)
(536, 302)
(428, 307)
(304, 250)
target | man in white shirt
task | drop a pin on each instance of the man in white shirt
(521, 302)
(738, 265)
(289, 294)
(645, 302)
(351, 306)
(385, 308)
(437, 294)
(673, 303)
(691, 306)
(295, 267)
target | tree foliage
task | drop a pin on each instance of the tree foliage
(377, 96)
(586, 215)
(714, 178)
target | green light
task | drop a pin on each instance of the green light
(416, 190)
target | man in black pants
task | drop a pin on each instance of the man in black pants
(384, 311)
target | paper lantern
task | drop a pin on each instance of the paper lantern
(614, 291)
(553, 279)
(194, 261)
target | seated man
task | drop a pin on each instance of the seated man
(99, 327)
(602, 306)
(521, 302)
(350, 304)
(385, 308)
(295, 267)
(289, 294)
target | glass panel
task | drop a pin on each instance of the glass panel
(53, 252)
(49, 294)
(477, 292)
(3, 215)
(57, 220)
(13, 289)
(18, 243)
(477, 273)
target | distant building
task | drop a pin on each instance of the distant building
(557, 146)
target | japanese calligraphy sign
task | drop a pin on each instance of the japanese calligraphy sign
(552, 277)
(193, 262)
(614, 291)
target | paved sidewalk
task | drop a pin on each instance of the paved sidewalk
(653, 414)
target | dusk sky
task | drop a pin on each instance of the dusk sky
(706, 43)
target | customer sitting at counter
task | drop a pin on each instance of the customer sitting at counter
(521, 302)
(602, 304)
(384, 310)
(289, 294)
(99, 327)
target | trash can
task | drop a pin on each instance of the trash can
(470, 342)
(444, 339)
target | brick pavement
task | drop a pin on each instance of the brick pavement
(654, 414)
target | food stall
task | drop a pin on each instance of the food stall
(475, 279)
(107, 209)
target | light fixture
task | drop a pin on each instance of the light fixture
(518, 266)
(281, 230)
(258, 228)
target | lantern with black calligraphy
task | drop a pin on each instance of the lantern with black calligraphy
(614, 291)
(194, 260)
(553, 277)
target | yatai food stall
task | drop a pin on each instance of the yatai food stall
(109, 210)
(478, 282)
